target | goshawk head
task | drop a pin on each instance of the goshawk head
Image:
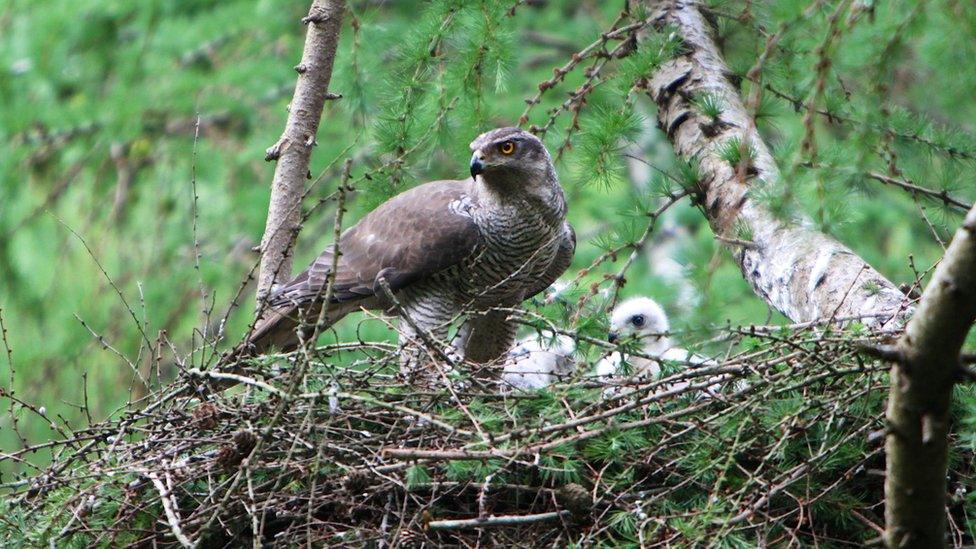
(510, 154)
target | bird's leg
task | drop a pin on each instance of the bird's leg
(486, 335)
(461, 340)
(426, 358)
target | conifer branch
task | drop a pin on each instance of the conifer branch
(942, 196)
(801, 272)
(293, 150)
(917, 443)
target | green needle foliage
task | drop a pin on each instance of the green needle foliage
(737, 153)
(709, 105)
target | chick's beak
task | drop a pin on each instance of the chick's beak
(612, 337)
(476, 165)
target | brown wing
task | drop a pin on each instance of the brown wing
(414, 234)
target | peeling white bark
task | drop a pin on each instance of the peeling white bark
(928, 364)
(294, 149)
(796, 269)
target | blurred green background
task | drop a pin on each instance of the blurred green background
(100, 101)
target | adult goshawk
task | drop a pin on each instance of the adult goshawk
(444, 249)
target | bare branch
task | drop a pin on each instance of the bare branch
(169, 506)
(507, 520)
(293, 150)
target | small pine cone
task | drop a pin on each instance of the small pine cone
(245, 441)
(575, 499)
(231, 455)
(227, 457)
(205, 416)
(909, 290)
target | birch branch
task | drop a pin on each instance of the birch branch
(293, 150)
(799, 271)
(928, 365)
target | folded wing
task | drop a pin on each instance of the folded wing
(411, 236)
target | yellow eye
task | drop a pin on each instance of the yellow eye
(507, 147)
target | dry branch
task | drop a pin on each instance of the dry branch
(799, 271)
(512, 520)
(169, 504)
(921, 390)
(294, 149)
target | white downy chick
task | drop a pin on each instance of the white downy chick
(642, 319)
(537, 361)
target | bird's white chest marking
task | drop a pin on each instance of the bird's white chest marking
(461, 206)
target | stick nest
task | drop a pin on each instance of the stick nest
(303, 450)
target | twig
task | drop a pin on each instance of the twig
(747, 244)
(942, 195)
(505, 520)
(169, 506)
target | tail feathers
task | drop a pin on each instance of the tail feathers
(279, 330)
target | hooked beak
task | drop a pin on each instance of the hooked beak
(612, 337)
(476, 166)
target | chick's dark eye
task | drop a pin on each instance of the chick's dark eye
(507, 147)
(637, 320)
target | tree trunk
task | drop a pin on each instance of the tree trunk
(294, 149)
(927, 364)
(799, 271)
